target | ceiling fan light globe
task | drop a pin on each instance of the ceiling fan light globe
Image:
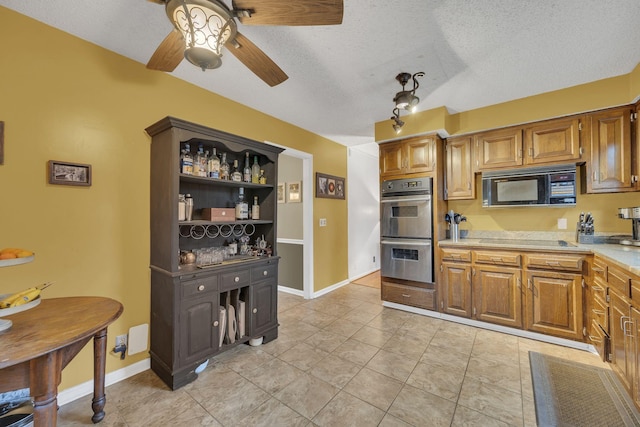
(202, 58)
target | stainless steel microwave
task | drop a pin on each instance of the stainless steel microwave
(539, 186)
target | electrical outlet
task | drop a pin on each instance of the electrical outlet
(562, 223)
(323, 222)
(121, 340)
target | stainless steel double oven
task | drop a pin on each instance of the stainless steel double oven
(406, 229)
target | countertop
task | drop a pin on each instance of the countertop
(627, 257)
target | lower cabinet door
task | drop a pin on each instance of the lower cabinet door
(621, 339)
(497, 295)
(456, 289)
(264, 300)
(635, 319)
(554, 304)
(199, 328)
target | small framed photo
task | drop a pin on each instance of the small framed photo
(329, 186)
(294, 194)
(65, 173)
(281, 192)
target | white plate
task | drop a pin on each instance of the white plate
(18, 309)
(16, 261)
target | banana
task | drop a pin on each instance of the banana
(23, 297)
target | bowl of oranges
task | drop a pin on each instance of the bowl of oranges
(15, 256)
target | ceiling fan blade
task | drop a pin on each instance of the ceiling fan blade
(256, 60)
(290, 12)
(169, 54)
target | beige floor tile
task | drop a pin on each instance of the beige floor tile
(297, 329)
(360, 316)
(356, 351)
(374, 388)
(391, 421)
(247, 357)
(420, 408)
(347, 410)
(445, 356)
(303, 356)
(372, 336)
(443, 381)
(496, 373)
(449, 340)
(318, 318)
(283, 343)
(273, 413)
(307, 395)
(393, 365)
(225, 403)
(344, 327)
(335, 370)
(273, 376)
(326, 340)
(405, 346)
(465, 417)
(387, 320)
(491, 400)
(79, 413)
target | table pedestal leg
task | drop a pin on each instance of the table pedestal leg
(45, 378)
(99, 361)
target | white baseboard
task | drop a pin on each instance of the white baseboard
(81, 390)
(484, 325)
(330, 289)
(292, 291)
(360, 275)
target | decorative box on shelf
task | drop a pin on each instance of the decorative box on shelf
(218, 214)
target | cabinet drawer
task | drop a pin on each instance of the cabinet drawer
(600, 313)
(619, 280)
(263, 272)
(635, 291)
(459, 255)
(409, 295)
(234, 279)
(599, 290)
(600, 269)
(199, 286)
(497, 258)
(555, 262)
(599, 339)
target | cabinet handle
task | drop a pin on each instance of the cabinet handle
(628, 334)
(265, 273)
(595, 175)
(254, 311)
(597, 288)
(215, 324)
(594, 339)
(406, 295)
(529, 284)
(468, 185)
(530, 151)
(598, 270)
(201, 288)
(623, 323)
(496, 259)
(553, 263)
(518, 283)
(598, 312)
(236, 279)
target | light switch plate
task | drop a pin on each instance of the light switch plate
(323, 222)
(562, 223)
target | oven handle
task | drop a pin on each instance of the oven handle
(424, 198)
(406, 242)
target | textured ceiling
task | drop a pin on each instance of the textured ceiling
(342, 78)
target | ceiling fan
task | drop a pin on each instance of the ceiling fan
(204, 27)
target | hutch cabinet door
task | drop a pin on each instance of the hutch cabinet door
(264, 316)
(199, 328)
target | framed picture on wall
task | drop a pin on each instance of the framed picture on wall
(329, 186)
(66, 173)
(294, 193)
(281, 192)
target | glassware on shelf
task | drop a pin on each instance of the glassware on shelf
(200, 162)
(213, 166)
(182, 207)
(263, 178)
(255, 171)
(186, 161)
(246, 175)
(188, 207)
(242, 207)
(224, 167)
(236, 175)
(255, 209)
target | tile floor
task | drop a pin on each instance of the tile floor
(344, 360)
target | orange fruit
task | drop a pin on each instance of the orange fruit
(23, 254)
(7, 255)
(10, 250)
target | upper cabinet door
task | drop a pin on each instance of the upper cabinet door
(552, 141)
(420, 155)
(609, 168)
(460, 179)
(498, 149)
(391, 159)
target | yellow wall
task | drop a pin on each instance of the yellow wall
(66, 99)
(596, 95)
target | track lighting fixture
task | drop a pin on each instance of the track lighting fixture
(405, 99)
(397, 125)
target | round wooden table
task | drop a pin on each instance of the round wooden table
(44, 339)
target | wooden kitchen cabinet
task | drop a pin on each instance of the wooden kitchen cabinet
(500, 148)
(622, 340)
(610, 152)
(497, 295)
(456, 289)
(552, 141)
(409, 156)
(459, 178)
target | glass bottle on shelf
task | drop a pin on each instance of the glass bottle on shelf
(242, 207)
(246, 176)
(255, 209)
(255, 171)
(236, 175)
(224, 167)
(200, 162)
(213, 167)
(262, 179)
(186, 161)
